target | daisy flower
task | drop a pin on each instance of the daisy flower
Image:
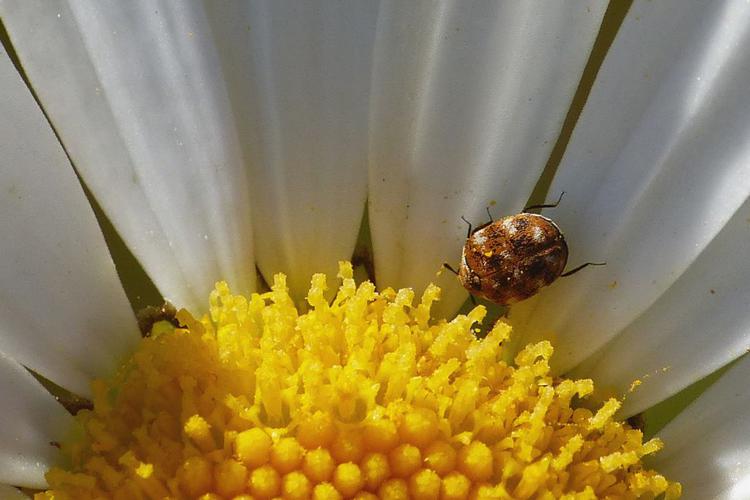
(239, 148)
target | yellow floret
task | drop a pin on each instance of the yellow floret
(365, 495)
(252, 447)
(348, 480)
(318, 465)
(394, 489)
(362, 397)
(455, 486)
(326, 491)
(348, 447)
(265, 482)
(376, 470)
(405, 460)
(440, 457)
(199, 431)
(296, 486)
(231, 477)
(380, 435)
(210, 496)
(475, 461)
(316, 430)
(424, 485)
(419, 427)
(195, 476)
(286, 455)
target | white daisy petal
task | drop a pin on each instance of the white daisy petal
(136, 92)
(63, 312)
(656, 166)
(699, 325)
(299, 76)
(468, 101)
(32, 420)
(11, 493)
(707, 446)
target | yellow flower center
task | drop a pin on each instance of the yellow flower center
(362, 397)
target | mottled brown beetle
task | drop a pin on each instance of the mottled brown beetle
(511, 259)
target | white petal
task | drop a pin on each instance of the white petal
(11, 493)
(31, 420)
(63, 312)
(299, 77)
(707, 446)
(468, 101)
(136, 92)
(656, 166)
(699, 325)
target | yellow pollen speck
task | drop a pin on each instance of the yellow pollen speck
(361, 397)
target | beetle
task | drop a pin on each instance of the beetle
(510, 259)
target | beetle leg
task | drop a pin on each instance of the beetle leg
(587, 264)
(450, 268)
(550, 205)
(468, 233)
(489, 214)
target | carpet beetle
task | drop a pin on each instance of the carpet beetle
(512, 258)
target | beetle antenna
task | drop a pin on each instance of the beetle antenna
(587, 264)
(549, 205)
(468, 233)
(450, 268)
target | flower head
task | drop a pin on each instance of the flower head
(363, 395)
(236, 140)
